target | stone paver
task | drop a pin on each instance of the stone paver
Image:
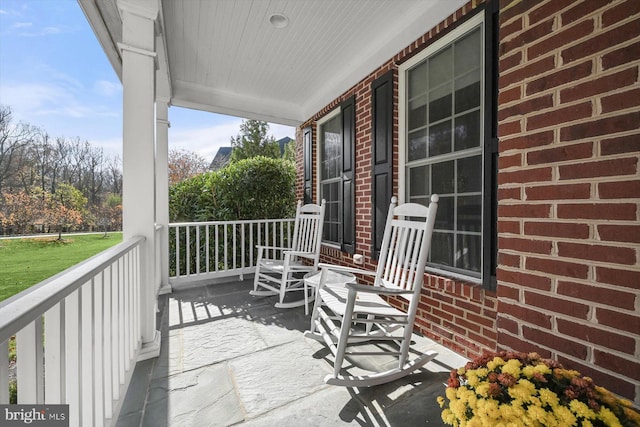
(228, 358)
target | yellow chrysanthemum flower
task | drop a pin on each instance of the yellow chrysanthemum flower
(542, 369)
(547, 397)
(565, 416)
(608, 417)
(528, 371)
(581, 410)
(512, 367)
(494, 363)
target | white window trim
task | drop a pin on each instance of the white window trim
(402, 122)
(332, 114)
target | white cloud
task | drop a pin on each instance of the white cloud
(107, 88)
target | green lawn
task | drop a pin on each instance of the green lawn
(25, 262)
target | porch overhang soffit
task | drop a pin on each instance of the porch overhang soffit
(226, 56)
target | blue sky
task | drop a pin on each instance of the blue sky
(54, 75)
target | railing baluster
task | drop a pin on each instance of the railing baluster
(86, 354)
(107, 368)
(72, 352)
(98, 402)
(207, 246)
(198, 250)
(4, 372)
(54, 354)
(30, 370)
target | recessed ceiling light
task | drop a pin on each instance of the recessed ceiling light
(279, 20)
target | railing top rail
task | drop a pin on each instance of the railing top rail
(21, 309)
(242, 221)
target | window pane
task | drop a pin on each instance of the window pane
(331, 148)
(417, 113)
(440, 103)
(444, 215)
(440, 68)
(469, 213)
(331, 193)
(441, 251)
(419, 181)
(467, 131)
(467, 53)
(470, 174)
(468, 253)
(440, 139)
(443, 177)
(418, 80)
(468, 91)
(417, 148)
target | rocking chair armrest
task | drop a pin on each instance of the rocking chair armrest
(273, 247)
(300, 253)
(377, 289)
(344, 268)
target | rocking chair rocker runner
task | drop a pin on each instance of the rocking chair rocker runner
(356, 316)
(280, 270)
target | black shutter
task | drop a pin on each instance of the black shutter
(348, 114)
(490, 202)
(308, 165)
(382, 127)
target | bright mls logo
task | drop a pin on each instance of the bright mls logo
(34, 415)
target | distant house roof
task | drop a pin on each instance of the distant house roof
(221, 159)
(283, 143)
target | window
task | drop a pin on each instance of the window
(331, 177)
(336, 136)
(446, 130)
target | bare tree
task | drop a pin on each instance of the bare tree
(14, 141)
(185, 164)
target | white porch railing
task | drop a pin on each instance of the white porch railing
(209, 250)
(77, 336)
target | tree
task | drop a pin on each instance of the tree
(253, 141)
(185, 164)
(66, 208)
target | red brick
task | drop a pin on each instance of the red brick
(611, 254)
(546, 10)
(526, 107)
(570, 230)
(510, 95)
(508, 62)
(555, 342)
(525, 245)
(526, 314)
(560, 77)
(512, 193)
(559, 39)
(509, 128)
(606, 126)
(620, 12)
(556, 305)
(530, 69)
(512, 227)
(507, 325)
(505, 162)
(524, 211)
(515, 343)
(600, 85)
(624, 55)
(604, 211)
(509, 9)
(483, 340)
(560, 115)
(621, 101)
(623, 144)
(625, 278)
(525, 175)
(604, 40)
(614, 167)
(598, 294)
(591, 333)
(619, 233)
(618, 320)
(508, 260)
(558, 192)
(513, 27)
(528, 36)
(528, 141)
(582, 10)
(619, 190)
(629, 367)
(557, 267)
(526, 280)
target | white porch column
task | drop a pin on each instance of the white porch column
(162, 193)
(138, 187)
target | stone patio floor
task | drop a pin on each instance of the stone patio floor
(228, 358)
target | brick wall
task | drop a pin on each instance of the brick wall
(569, 186)
(456, 314)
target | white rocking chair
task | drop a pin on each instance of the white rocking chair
(358, 316)
(280, 270)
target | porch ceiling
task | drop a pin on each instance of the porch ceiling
(226, 57)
